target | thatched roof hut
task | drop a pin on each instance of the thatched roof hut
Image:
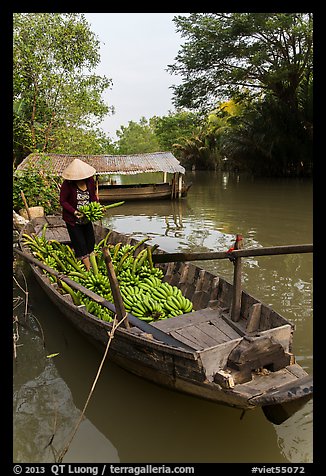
(105, 164)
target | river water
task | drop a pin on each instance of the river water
(129, 420)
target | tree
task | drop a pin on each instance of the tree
(264, 62)
(227, 53)
(52, 54)
(137, 138)
(267, 139)
(175, 126)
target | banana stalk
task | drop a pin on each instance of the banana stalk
(44, 230)
(92, 259)
(72, 293)
(113, 205)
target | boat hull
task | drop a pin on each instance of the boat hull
(196, 366)
(111, 193)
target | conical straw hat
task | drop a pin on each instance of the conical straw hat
(78, 170)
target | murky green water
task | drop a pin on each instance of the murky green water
(131, 420)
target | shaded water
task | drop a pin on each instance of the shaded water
(131, 420)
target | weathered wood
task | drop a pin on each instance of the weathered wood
(224, 327)
(224, 378)
(236, 295)
(213, 331)
(185, 320)
(117, 298)
(254, 318)
(187, 338)
(211, 255)
(258, 352)
(200, 337)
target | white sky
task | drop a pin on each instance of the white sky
(135, 51)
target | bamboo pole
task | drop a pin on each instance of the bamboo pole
(26, 205)
(117, 298)
(236, 296)
(211, 255)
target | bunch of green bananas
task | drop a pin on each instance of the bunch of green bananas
(94, 211)
(147, 309)
(98, 283)
(143, 292)
(172, 300)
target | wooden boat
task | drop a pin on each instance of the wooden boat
(145, 191)
(203, 353)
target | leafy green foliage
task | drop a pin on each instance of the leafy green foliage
(267, 139)
(39, 189)
(228, 53)
(53, 94)
(174, 127)
(137, 138)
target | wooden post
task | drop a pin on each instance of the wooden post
(179, 186)
(96, 183)
(117, 298)
(173, 186)
(165, 177)
(236, 296)
(26, 205)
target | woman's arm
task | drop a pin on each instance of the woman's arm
(92, 190)
(65, 198)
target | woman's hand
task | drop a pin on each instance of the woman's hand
(78, 214)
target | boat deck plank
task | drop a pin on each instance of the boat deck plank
(200, 329)
(186, 339)
(224, 327)
(180, 322)
(260, 384)
(212, 330)
(56, 230)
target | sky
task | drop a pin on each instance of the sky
(135, 50)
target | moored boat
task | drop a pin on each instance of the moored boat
(246, 363)
(141, 191)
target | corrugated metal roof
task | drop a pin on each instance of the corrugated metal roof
(106, 164)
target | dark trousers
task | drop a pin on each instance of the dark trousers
(82, 238)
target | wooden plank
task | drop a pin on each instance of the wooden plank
(179, 322)
(212, 330)
(254, 318)
(215, 358)
(226, 328)
(260, 384)
(185, 340)
(197, 335)
(297, 370)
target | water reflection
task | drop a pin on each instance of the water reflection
(297, 446)
(44, 412)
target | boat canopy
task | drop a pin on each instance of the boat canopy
(54, 164)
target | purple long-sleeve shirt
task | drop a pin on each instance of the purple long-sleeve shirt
(68, 198)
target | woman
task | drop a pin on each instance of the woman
(78, 189)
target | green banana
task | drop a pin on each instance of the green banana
(72, 293)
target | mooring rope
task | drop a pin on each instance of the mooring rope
(115, 325)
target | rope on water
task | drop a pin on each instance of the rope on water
(115, 325)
